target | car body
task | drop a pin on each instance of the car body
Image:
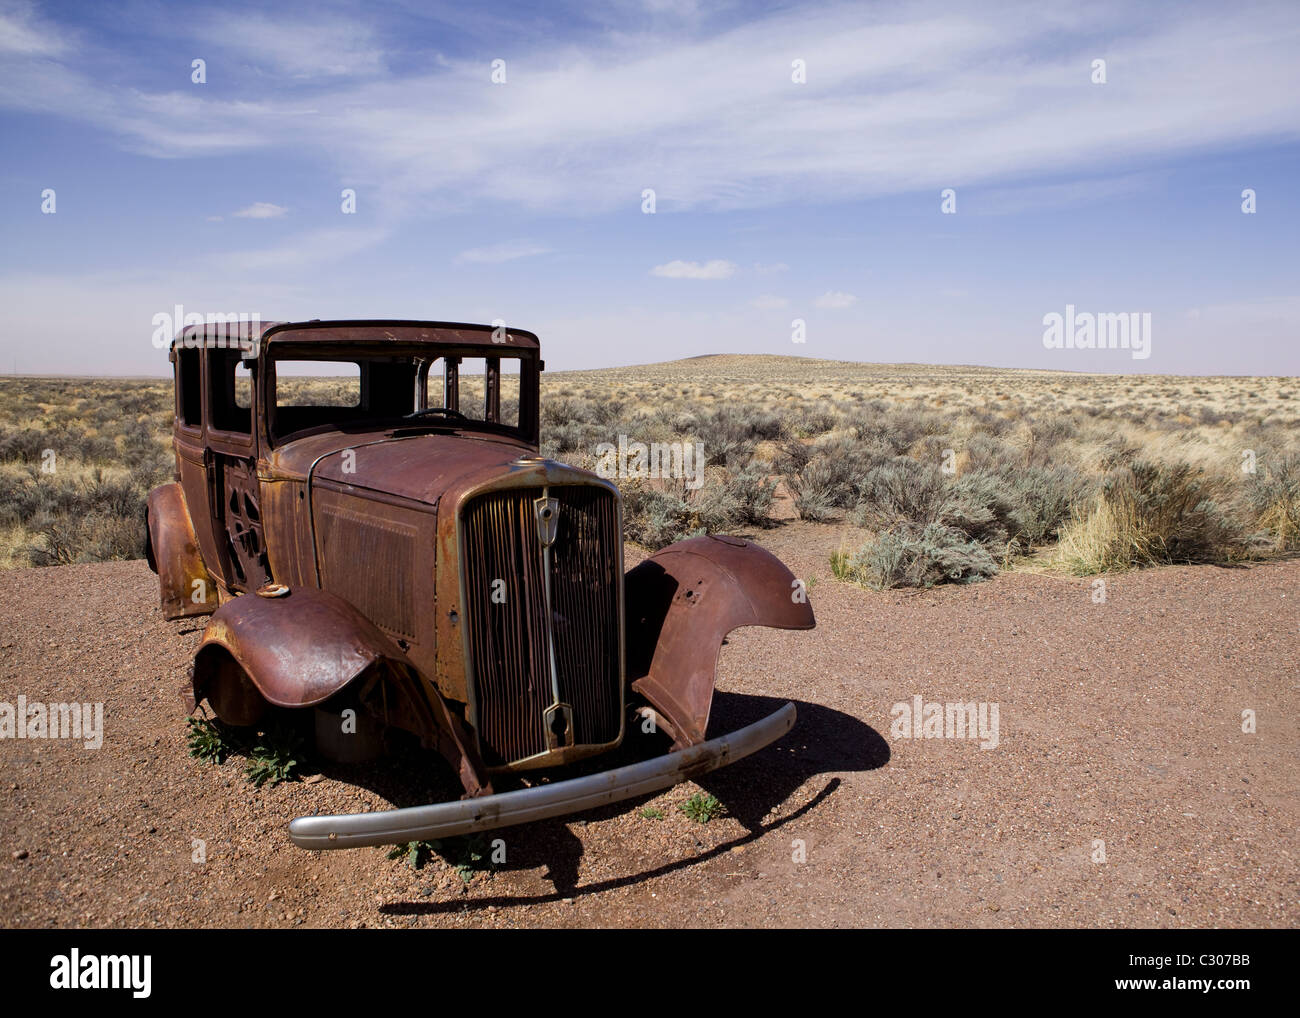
(391, 547)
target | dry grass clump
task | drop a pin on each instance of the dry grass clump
(1150, 513)
(1273, 495)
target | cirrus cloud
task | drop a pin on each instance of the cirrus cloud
(505, 251)
(718, 268)
(261, 210)
(835, 299)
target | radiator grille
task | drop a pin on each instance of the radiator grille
(508, 640)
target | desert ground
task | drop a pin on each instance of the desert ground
(1120, 723)
(1099, 564)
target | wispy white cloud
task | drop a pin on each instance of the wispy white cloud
(767, 302)
(504, 251)
(835, 299)
(319, 47)
(24, 32)
(677, 269)
(308, 248)
(261, 210)
(1032, 197)
(899, 98)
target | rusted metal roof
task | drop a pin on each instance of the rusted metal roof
(261, 334)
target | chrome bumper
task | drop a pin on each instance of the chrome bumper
(448, 819)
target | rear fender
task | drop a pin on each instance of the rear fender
(681, 604)
(185, 586)
(307, 646)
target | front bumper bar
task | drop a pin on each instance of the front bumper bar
(448, 819)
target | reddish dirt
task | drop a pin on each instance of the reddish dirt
(1119, 722)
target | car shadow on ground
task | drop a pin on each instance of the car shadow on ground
(823, 742)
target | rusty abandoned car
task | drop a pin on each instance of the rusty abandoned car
(406, 554)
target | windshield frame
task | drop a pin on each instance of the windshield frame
(423, 357)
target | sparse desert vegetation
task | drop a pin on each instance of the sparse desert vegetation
(941, 473)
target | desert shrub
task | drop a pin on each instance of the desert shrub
(916, 556)
(1007, 512)
(88, 519)
(94, 537)
(1041, 500)
(730, 434)
(23, 446)
(655, 516)
(570, 436)
(810, 421)
(750, 492)
(1150, 514)
(830, 476)
(981, 506)
(985, 451)
(901, 491)
(1272, 498)
(815, 491)
(792, 456)
(1046, 434)
(576, 410)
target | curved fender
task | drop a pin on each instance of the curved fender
(173, 554)
(681, 602)
(300, 649)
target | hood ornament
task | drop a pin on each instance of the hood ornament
(548, 518)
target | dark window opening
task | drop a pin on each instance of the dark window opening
(484, 388)
(188, 387)
(310, 394)
(228, 413)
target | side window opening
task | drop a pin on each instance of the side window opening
(228, 412)
(243, 387)
(317, 384)
(310, 394)
(488, 389)
(189, 387)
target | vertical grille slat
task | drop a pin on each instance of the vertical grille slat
(508, 646)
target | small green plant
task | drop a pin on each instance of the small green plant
(209, 740)
(840, 565)
(652, 813)
(702, 807)
(416, 853)
(466, 855)
(275, 757)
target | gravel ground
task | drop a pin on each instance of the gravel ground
(1119, 723)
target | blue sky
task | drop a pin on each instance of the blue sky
(776, 200)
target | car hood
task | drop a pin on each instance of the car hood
(417, 465)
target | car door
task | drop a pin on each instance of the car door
(232, 469)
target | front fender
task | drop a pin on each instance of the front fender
(304, 647)
(298, 650)
(682, 602)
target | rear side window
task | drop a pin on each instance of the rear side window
(188, 387)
